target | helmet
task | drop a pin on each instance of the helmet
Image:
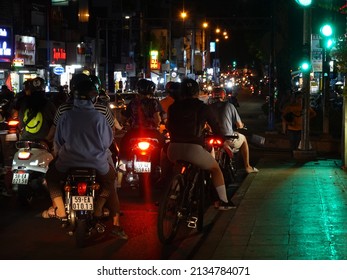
(173, 89)
(189, 87)
(37, 84)
(76, 79)
(218, 92)
(145, 87)
(82, 87)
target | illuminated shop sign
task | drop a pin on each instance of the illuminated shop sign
(25, 48)
(154, 63)
(58, 52)
(5, 44)
(18, 62)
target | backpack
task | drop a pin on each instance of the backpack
(186, 124)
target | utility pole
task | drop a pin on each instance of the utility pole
(305, 151)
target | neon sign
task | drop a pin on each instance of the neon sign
(59, 54)
(154, 63)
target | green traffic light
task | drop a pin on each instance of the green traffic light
(305, 66)
(304, 3)
(326, 30)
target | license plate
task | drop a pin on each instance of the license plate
(82, 203)
(142, 167)
(20, 178)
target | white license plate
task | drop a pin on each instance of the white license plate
(20, 178)
(142, 167)
(82, 203)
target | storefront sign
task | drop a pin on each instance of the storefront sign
(58, 70)
(25, 48)
(58, 52)
(154, 63)
(5, 44)
(18, 62)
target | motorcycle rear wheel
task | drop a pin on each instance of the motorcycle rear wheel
(81, 233)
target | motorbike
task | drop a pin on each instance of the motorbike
(81, 189)
(29, 166)
(225, 156)
(139, 171)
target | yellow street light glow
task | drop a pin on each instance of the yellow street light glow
(217, 40)
(226, 37)
(183, 14)
(205, 24)
(217, 30)
(225, 33)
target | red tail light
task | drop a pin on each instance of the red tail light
(82, 188)
(215, 142)
(13, 123)
(143, 146)
(24, 155)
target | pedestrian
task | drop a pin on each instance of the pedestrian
(292, 120)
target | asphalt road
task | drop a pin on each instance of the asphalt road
(25, 235)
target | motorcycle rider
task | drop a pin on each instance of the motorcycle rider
(228, 117)
(186, 120)
(85, 144)
(144, 115)
(35, 113)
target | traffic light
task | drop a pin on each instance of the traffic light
(305, 66)
(304, 3)
(234, 64)
(327, 31)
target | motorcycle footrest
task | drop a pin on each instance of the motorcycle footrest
(191, 222)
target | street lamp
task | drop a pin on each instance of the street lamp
(304, 3)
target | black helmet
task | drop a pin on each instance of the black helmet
(85, 90)
(189, 87)
(173, 89)
(145, 87)
(37, 85)
(76, 79)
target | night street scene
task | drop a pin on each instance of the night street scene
(212, 132)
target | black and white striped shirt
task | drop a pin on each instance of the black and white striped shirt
(103, 109)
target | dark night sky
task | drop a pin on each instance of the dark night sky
(288, 20)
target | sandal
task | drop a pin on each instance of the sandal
(50, 213)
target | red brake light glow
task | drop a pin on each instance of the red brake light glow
(143, 145)
(13, 123)
(23, 155)
(82, 188)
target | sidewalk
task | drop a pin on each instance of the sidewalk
(290, 210)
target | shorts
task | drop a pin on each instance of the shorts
(236, 143)
(192, 153)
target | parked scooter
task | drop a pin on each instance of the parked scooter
(29, 166)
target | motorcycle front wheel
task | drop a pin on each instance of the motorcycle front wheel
(169, 216)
